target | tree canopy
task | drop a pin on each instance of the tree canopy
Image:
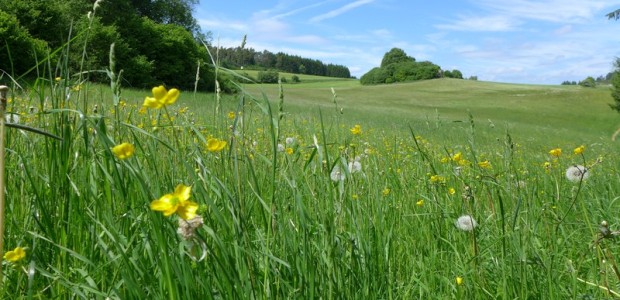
(248, 58)
(156, 41)
(397, 66)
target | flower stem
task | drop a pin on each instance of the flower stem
(3, 91)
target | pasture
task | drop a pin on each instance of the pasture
(442, 189)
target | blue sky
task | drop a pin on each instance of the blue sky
(518, 41)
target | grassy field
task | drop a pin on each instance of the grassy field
(440, 189)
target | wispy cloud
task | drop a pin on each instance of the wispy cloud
(301, 9)
(339, 11)
(218, 24)
(489, 23)
(549, 10)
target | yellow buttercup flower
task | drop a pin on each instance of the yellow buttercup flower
(459, 280)
(178, 202)
(123, 151)
(161, 97)
(289, 151)
(231, 115)
(556, 152)
(357, 129)
(457, 157)
(386, 191)
(420, 202)
(451, 191)
(579, 149)
(215, 145)
(15, 255)
(484, 164)
(438, 179)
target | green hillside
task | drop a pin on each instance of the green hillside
(534, 113)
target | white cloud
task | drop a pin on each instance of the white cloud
(561, 11)
(339, 11)
(217, 24)
(488, 23)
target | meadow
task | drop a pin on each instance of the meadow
(439, 189)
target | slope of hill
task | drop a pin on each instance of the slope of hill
(535, 113)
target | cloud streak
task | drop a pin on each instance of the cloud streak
(336, 12)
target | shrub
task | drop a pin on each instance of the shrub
(374, 76)
(19, 51)
(268, 76)
(588, 82)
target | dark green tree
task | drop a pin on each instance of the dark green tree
(395, 55)
(588, 82)
(268, 76)
(375, 76)
(457, 74)
(19, 51)
(615, 85)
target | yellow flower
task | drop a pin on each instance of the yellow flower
(178, 202)
(463, 162)
(231, 115)
(289, 151)
(161, 97)
(215, 145)
(451, 191)
(123, 151)
(437, 179)
(547, 165)
(357, 129)
(76, 88)
(484, 164)
(420, 202)
(459, 280)
(457, 157)
(556, 152)
(58, 79)
(354, 196)
(15, 255)
(579, 149)
(386, 191)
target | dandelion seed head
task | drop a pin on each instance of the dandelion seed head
(577, 173)
(355, 166)
(466, 223)
(337, 175)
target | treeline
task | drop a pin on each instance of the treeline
(591, 82)
(248, 58)
(156, 41)
(397, 66)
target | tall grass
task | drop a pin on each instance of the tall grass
(276, 223)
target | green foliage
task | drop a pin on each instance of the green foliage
(588, 82)
(156, 41)
(47, 20)
(615, 86)
(19, 51)
(295, 79)
(615, 93)
(453, 74)
(615, 15)
(395, 56)
(237, 57)
(270, 76)
(398, 67)
(375, 76)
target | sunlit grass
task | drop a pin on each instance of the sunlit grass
(441, 189)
